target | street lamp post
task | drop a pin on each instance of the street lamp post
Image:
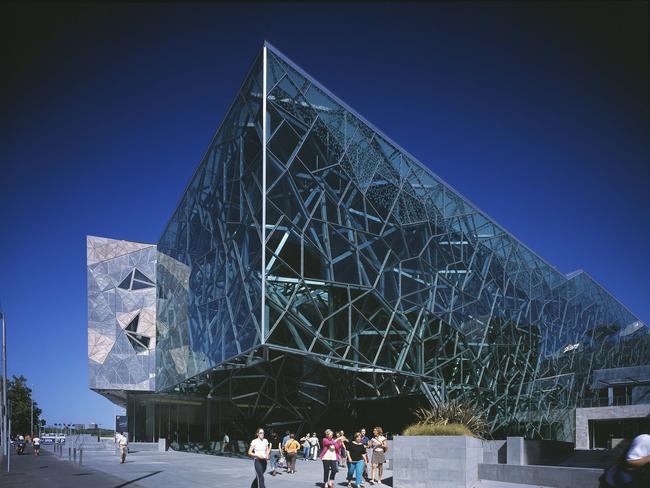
(5, 426)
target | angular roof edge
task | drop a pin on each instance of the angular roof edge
(401, 149)
(563, 276)
(266, 44)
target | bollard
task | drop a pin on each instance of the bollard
(81, 454)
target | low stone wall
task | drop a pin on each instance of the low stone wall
(546, 453)
(551, 476)
(522, 451)
(494, 452)
(435, 461)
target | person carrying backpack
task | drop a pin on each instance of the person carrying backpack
(633, 469)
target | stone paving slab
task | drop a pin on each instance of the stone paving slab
(46, 471)
(503, 484)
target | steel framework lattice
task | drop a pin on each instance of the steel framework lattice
(308, 233)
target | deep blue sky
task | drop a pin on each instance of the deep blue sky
(537, 113)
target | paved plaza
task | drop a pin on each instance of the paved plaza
(155, 469)
(148, 469)
(45, 471)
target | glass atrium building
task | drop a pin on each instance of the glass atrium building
(315, 274)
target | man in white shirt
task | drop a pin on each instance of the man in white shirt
(314, 444)
(634, 470)
(224, 443)
(123, 444)
(36, 445)
(639, 452)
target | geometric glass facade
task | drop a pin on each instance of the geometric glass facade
(312, 262)
(121, 315)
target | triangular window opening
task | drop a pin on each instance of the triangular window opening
(136, 280)
(126, 282)
(138, 342)
(140, 276)
(133, 325)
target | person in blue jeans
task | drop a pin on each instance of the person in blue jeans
(357, 459)
(276, 454)
(306, 446)
(259, 450)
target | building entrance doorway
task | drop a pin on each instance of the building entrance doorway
(606, 434)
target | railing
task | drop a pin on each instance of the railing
(617, 401)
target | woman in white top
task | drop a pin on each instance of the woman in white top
(260, 451)
(379, 447)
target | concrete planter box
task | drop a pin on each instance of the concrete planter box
(436, 461)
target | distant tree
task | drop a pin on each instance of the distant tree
(19, 398)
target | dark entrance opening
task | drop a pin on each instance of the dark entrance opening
(605, 434)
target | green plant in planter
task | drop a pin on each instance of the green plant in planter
(451, 418)
(437, 429)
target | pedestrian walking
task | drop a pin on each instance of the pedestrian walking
(330, 457)
(357, 460)
(224, 443)
(291, 451)
(287, 434)
(36, 445)
(379, 447)
(314, 445)
(306, 446)
(366, 442)
(632, 470)
(260, 451)
(343, 458)
(123, 444)
(276, 454)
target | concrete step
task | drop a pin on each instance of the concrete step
(503, 484)
(548, 476)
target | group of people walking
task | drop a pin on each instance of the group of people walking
(20, 444)
(335, 451)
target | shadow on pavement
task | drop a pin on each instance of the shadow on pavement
(138, 479)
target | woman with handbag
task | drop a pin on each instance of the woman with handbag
(379, 446)
(330, 457)
(291, 449)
